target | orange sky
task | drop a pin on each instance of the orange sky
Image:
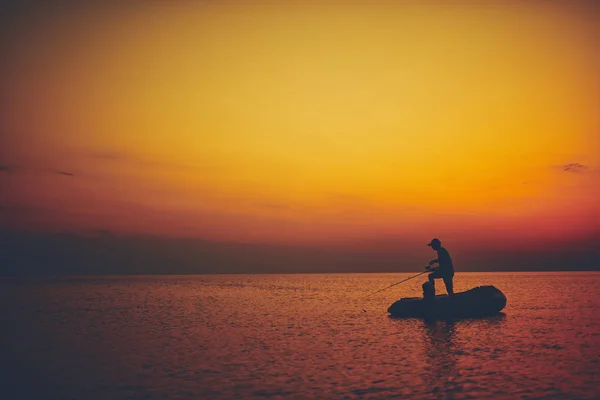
(303, 121)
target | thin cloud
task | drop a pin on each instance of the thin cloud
(274, 205)
(348, 198)
(131, 159)
(12, 168)
(65, 173)
(575, 168)
(106, 155)
(19, 209)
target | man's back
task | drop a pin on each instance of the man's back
(445, 261)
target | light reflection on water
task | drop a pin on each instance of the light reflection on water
(295, 336)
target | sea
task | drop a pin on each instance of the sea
(294, 337)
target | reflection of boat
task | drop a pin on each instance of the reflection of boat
(477, 302)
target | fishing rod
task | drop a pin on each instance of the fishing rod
(397, 283)
(427, 269)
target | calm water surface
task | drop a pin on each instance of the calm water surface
(294, 336)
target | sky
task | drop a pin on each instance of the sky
(339, 124)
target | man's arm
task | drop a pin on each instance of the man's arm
(437, 260)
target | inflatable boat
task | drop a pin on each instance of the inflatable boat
(481, 301)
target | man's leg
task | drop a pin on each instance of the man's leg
(449, 285)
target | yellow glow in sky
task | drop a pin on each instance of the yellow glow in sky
(298, 121)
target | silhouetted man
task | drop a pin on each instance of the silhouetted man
(445, 269)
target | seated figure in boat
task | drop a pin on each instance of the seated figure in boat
(428, 292)
(445, 268)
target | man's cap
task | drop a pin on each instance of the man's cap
(434, 241)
